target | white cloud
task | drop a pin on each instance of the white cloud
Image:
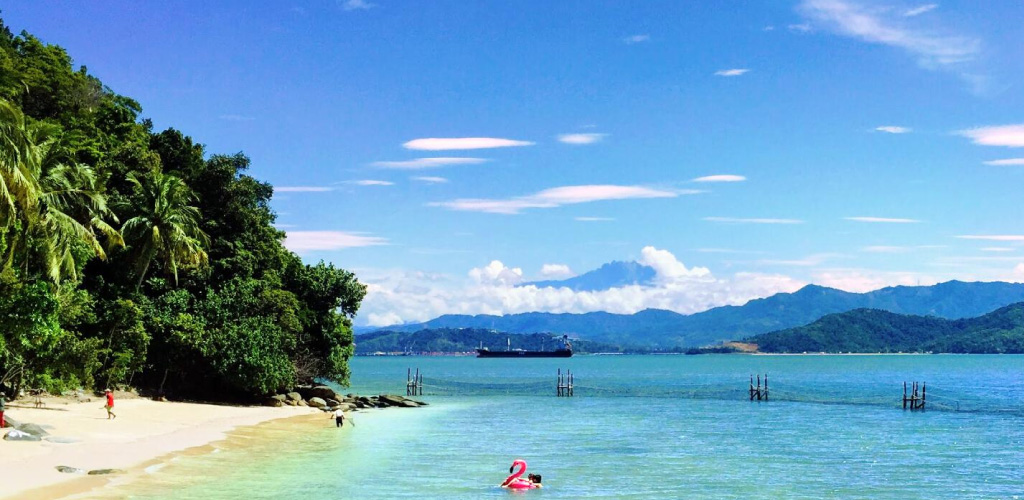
(383, 319)
(809, 261)
(430, 180)
(668, 269)
(883, 220)
(851, 19)
(440, 144)
(371, 182)
(630, 40)
(358, 5)
(414, 296)
(302, 189)
(769, 28)
(917, 11)
(993, 237)
(731, 72)
(305, 241)
(721, 178)
(892, 129)
(866, 280)
(496, 273)
(555, 197)
(738, 220)
(581, 138)
(799, 28)
(420, 163)
(594, 219)
(1002, 135)
(1006, 162)
(556, 271)
(1018, 273)
(886, 249)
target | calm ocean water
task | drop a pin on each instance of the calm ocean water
(644, 427)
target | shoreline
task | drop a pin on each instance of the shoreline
(146, 433)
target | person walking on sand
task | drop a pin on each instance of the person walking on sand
(110, 405)
(339, 418)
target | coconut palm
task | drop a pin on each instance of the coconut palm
(166, 226)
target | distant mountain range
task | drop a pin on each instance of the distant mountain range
(451, 340)
(665, 329)
(614, 274)
(872, 330)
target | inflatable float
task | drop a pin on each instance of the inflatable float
(515, 480)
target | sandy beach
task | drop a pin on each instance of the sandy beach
(81, 436)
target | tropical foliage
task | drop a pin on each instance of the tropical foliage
(132, 257)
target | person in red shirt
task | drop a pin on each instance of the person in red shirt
(110, 405)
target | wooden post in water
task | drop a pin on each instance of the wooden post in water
(916, 399)
(751, 387)
(766, 387)
(564, 385)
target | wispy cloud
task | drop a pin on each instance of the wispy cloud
(799, 28)
(731, 72)
(917, 11)
(450, 143)
(1006, 162)
(740, 220)
(357, 5)
(996, 249)
(421, 163)
(594, 219)
(899, 249)
(883, 220)
(1011, 136)
(992, 237)
(809, 261)
(630, 40)
(729, 251)
(302, 189)
(880, 26)
(431, 180)
(556, 197)
(371, 182)
(306, 241)
(721, 178)
(556, 271)
(892, 129)
(581, 138)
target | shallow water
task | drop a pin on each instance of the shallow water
(643, 427)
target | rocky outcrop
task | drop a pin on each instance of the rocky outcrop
(324, 398)
(317, 403)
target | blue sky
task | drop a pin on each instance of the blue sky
(448, 150)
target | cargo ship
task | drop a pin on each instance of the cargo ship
(562, 352)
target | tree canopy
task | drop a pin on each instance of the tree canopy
(134, 258)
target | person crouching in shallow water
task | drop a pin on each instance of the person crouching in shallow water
(339, 418)
(110, 405)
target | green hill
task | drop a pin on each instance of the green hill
(872, 330)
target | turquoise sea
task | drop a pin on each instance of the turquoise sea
(642, 427)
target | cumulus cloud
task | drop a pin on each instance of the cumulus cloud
(579, 139)
(441, 144)
(630, 40)
(732, 72)
(302, 189)
(307, 241)
(721, 178)
(496, 273)
(892, 129)
(492, 290)
(917, 11)
(1006, 162)
(883, 220)
(431, 180)
(556, 197)
(421, 163)
(1011, 136)
(870, 25)
(740, 220)
(556, 271)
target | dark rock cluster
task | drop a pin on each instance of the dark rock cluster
(326, 399)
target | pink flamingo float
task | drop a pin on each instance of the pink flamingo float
(515, 480)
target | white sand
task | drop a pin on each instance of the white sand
(143, 430)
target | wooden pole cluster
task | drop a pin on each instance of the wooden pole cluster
(564, 383)
(915, 400)
(413, 383)
(760, 394)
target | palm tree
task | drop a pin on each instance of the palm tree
(166, 226)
